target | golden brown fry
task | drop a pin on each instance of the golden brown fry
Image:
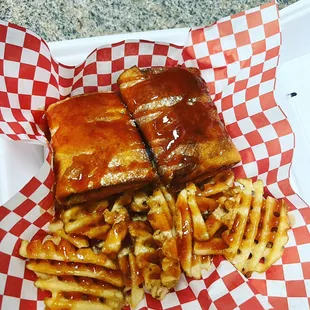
(140, 229)
(63, 252)
(123, 262)
(219, 183)
(139, 202)
(80, 285)
(151, 275)
(113, 277)
(79, 219)
(78, 241)
(124, 200)
(166, 237)
(233, 237)
(159, 215)
(171, 272)
(58, 302)
(270, 238)
(213, 225)
(206, 262)
(215, 246)
(170, 264)
(186, 238)
(199, 227)
(137, 293)
(226, 218)
(170, 249)
(98, 232)
(169, 199)
(145, 248)
(251, 229)
(206, 204)
(147, 258)
(196, 266)
(116, 235)
(118, 212)
(80, 211)
(227, 177)
(118, 232)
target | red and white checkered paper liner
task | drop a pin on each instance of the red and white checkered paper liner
(237, 56)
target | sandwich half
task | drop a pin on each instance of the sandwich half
(179, 122)
(97, 149)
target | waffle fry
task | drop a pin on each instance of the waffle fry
(123, 262)
(255, 229)
(63, 252)
(137, 293)
(147, 258)
(218, 184)
(119, 228)
(139, 202)
(159, 215)
(206, 204)
(78, 241)
(251, 229)
(164, 235)
(213, 225)
(60, 302)
(100, 255)
(113, 277)
(186, 233)
(81, 219)
(199, 227)
(265, 236)
(169, 199)
(193, 227)
(151, 275)
(233, 237)
(80, 285)
(115, 236)
(145, 248)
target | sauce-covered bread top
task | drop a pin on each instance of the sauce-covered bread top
(97, 148)
(179, 121)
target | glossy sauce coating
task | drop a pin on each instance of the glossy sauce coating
(177, 118)
(95, 144)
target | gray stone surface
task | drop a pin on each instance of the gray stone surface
(56, 20)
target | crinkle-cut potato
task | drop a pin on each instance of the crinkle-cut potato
(64, 252)
(110, 276)
(253, 230)
(56, 227)
(165, 236)
(81, 285)
(147, 258)
(103, 255)
(191, 226)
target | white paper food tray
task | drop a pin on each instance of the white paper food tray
(19, 161)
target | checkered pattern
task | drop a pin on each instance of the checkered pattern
(238, 57)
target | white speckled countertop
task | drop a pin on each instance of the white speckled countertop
(56, 20)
